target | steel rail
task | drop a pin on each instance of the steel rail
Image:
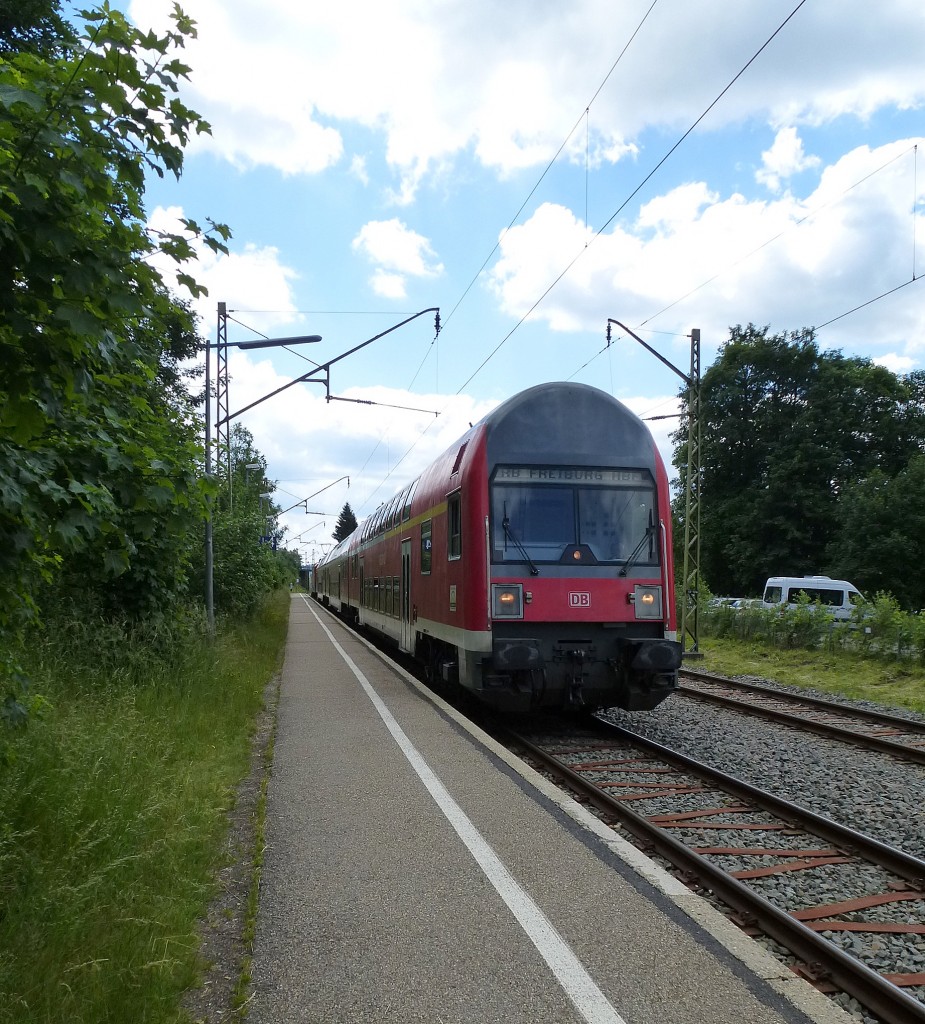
(884, 746)
(890, 858)
(880, 996)
(881, 717)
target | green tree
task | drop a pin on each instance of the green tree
(86, 462)
(249, 560)
(346, 523)
(34, 25)
(143, 441)
(881, 537)
(785, 430)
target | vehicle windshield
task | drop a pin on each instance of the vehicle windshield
(539, 513)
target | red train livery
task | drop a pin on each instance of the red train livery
(531, 563)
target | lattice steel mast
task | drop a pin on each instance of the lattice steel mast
(690, 591)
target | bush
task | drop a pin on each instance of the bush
(878, 628)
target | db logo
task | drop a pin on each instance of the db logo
(579, 600)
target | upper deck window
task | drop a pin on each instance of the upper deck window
(454, 526)
(459, 457)
(540, 513)
(406, 504)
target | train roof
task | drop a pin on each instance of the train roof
(568, 422)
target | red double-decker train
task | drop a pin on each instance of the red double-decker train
(531, 563)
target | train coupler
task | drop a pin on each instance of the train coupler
(576, 677)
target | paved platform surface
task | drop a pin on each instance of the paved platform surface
(414, 871)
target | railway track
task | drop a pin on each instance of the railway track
(874, 730)
(734, 841)
(773, 862)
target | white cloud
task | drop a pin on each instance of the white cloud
(896, 363)
(389, 286)
(249, 278)
(282, 84)
(398, 253)
(713, 261)
(358, 169)
(784, 159)
(682, 205)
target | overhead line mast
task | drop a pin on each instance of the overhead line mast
(690, 592)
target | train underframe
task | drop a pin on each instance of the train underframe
(569, 667)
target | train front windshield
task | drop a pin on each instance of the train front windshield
(538, 513)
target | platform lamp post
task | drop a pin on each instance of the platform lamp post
(221, 347)
(320, 374)
(690, 615)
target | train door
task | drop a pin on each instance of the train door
(406, 638)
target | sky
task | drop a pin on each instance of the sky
(534, 169)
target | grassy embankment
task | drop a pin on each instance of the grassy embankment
(112, 815)
(889, 681)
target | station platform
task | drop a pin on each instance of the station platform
(415, 871)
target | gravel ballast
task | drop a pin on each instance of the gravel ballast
(871, 792)
(874, 793)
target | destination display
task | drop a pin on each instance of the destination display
(571, 475)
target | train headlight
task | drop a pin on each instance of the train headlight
(507, 601)
(647, 601)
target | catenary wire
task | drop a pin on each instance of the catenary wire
(634, 193)
(433, 344)
(769, 241)
(599, 232)
(551, 163)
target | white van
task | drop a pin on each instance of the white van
(839, 597)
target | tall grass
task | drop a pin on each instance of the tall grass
(878, 656)
(112, 812)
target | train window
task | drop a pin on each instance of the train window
(396, 596)
(454, 526)
(617, 524)
(389, 519)
(540, 514)
(406, 506)
(459, 458)
(426, 547)
(395, 511)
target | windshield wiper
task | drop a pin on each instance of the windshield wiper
(636, 550)
(509, 533)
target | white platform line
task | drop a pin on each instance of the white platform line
(578, 985)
